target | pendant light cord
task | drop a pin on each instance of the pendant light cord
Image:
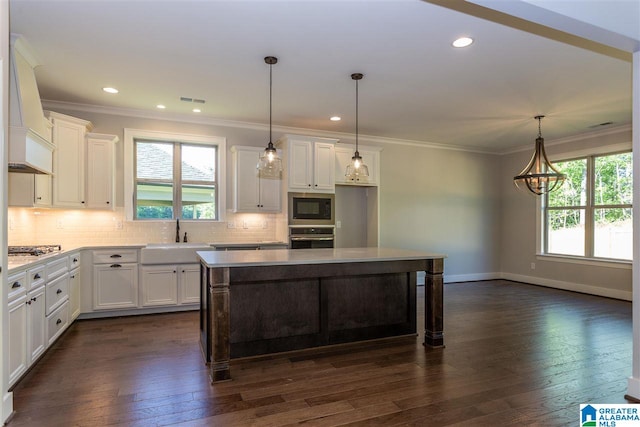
(270, 99)
(356, 116)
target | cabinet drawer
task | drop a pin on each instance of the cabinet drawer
(115, 256)
(35, 277)
(57, 268)
(57, 292)
(17, 285)
(57, 322)
(74, 260)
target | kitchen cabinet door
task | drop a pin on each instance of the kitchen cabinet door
(251, 192)
(100, 171)
(36, 325)
(159, 285)
(69, 160)
(29, 190)
(74, 293)
(115, 286)
(310, 163)
(324, 167)
(300, 165)
(189, 283)
(17, 351)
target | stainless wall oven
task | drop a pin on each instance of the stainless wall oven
(311, 209)
(303, 237)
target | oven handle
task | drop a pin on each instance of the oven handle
(295, 239)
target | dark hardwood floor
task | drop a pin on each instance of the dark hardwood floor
(516, 355)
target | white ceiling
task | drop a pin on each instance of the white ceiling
(416, 86)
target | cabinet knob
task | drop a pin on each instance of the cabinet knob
(37, 276)
(174, 271)
(316, 185)
(59, 291)
(28, 302)
(34, 298)
(108, 202)
(38, 198)
(58, 321)
(75, 260)
(309, 185)
(82, 202)
(16, 285)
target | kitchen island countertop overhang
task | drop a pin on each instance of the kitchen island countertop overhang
(261, 302)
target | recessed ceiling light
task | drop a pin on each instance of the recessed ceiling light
(462, 42)
(160, 106)
(196, 110)
(335, 119)
(110, 89)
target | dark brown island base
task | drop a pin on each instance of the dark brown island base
(261, 302)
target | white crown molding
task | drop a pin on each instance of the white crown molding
(131, 112)
(574, 138)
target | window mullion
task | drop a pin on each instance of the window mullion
(589, 226)
(177, 180)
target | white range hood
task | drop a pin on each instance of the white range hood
(30, 147)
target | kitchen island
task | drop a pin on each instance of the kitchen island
(261, 302)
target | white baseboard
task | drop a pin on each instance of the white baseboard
(137, 311)
(569, 286)
(550, 283)
(633, 388)
(461, 277)
(7, 406)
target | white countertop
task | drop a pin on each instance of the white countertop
(309, 256)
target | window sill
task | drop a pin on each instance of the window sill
(598, 262)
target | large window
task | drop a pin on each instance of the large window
(173, 176)
(590, 215)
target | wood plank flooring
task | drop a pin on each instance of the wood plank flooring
(516, 355)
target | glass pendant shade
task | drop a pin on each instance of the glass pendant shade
(270, 164)
(356, 169)
(539, 176)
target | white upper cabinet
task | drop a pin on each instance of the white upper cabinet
(29, 190)
(370, 157)
(100, 171)
(310, 163)
(83, 165)
(68, 160)
(251, 192)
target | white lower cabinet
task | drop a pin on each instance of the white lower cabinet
(36, 325)
(115, 279)
(170, 284)
(159, 285)
(57, 322)
(74, 293)
(115, 286)
(189, 284)
(17, 338)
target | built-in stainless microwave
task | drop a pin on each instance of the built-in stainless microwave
(311, 209)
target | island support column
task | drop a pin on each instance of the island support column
(434, 304)
(219, 312)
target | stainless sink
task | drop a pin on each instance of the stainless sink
(171, 253)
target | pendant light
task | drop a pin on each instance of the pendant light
(270, 165)
(356, 169)
(539, 176)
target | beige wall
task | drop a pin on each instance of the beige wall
(518, 240)
(443, 201)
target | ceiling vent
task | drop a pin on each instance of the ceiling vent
(195, 100)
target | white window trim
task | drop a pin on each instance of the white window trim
(151, 135)
(601, 262)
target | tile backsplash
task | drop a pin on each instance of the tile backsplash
(74, 228)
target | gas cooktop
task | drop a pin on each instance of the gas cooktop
(33, 250)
